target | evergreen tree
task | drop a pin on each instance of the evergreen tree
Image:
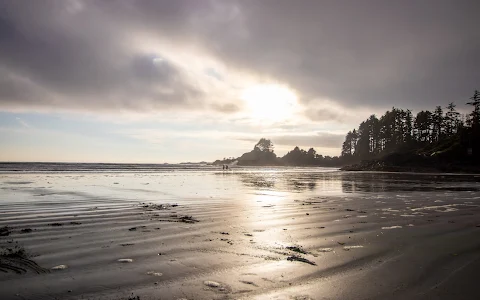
(362, 149)
(422, 125)
(452, 120)
(354, 141)
(474, 116)
(408, 127)
(311, 155)
(347, 145)
(437, 124)
(264, 145)
(373, 134)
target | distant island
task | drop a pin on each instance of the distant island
(263, 155)
(435, 141)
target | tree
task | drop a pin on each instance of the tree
(311, 156)
(408, 127)
(452, 120)
(437, 124)
(347, 145)
(388, 134)
(354, 141)
(374, 134)
(422, 126)
(362, 150)
(264, 145)
(474, 116)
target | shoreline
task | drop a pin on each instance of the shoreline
(439, 167)
(412, 170)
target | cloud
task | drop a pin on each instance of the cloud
(316, 139)
(22, 122)
(225, 108)
(320, 139)
(155, 55)
(70, 55)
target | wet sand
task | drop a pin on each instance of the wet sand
(240, 235)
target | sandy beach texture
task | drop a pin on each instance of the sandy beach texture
(251, 234)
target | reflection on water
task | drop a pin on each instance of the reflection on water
(258, 180)
(404, 182)
(191, 186)
(355, 182)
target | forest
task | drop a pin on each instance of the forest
(442, 136)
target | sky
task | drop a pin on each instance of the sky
(154, 81)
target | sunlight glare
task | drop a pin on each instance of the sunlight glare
(270, 102)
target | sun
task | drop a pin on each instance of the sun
(269, 102)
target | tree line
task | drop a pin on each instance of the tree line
(444, 130)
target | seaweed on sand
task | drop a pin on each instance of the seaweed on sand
(5, 231)
(173, 217)
(188, 219)
(301, 259)
(297, 249)
(15, 259)
(153, 206)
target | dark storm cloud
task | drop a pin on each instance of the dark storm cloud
(363, 53)
(412, 54)
(77, 65)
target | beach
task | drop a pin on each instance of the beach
(246, 233)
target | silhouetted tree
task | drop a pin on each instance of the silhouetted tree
(474, 116)
(452, 120)
(311, 155)
(422, 125)
(354, 140)
(347, 150)
(264, 145)
(373, 134)
(388, 131)
(408, 127)
(362, 149)
(437, 124)
(473, 121)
